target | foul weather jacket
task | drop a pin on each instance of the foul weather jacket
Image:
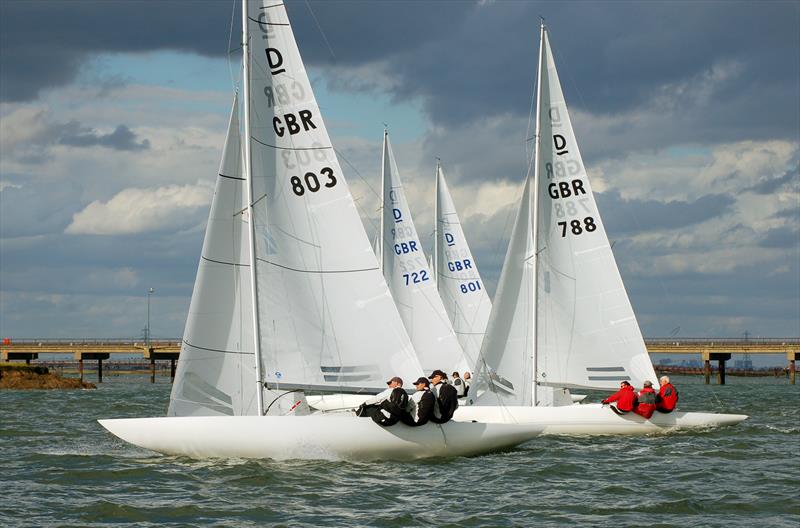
(646, 405)
(667, 398)
(446, 403)
(420, 408)
(625, 398)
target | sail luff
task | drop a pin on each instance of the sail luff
(381, 241)
(248, 174)
(436, 228)
(536, 163)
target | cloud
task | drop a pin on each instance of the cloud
(26, 129)
(134, 211)
(76, 135)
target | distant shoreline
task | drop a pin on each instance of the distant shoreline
(25, 377)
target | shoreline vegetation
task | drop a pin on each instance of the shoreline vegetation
(25, 377)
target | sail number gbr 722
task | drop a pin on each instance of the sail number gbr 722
(311, 182)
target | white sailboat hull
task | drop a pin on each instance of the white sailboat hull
(336, 402)
(593, 419)
(333, 436)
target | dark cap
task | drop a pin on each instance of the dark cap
(422, 380)
(397, 379)
(437, 372)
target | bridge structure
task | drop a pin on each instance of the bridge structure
(709, 349)
(93, 349)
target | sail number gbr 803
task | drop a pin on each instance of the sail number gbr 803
(311, 182)
(568, 193)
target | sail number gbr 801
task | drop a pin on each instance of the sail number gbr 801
(569, 189)
(311, 182)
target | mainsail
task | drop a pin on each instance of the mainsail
(326, 319)
(573, 326)
(216, 373)
(457, 278)
(410, 278)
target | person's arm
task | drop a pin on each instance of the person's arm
(378, 397)
(614, 397)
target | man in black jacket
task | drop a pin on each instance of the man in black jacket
(446, 397)
(420, 405)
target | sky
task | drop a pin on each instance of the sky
(113, 115)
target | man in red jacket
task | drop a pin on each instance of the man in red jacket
(667, 398)
(646, 405)
(625, 398)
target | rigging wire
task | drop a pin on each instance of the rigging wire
(234, 80)
(321, 32)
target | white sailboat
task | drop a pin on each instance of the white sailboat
(410, 278)
(561, 317)
(300, 268)
(460, 285)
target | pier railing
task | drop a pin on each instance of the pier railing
(710, 349)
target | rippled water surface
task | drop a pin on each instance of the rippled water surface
(60, 468)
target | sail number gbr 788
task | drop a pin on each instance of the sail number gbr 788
(571, 189)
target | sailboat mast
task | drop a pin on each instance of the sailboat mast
(248, 171)
(537, 157)
(436, 229)
(383, 202)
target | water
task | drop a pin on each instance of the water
(58, 467)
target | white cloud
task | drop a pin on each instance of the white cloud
(141, 210)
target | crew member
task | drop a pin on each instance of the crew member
(625, 398)
(467, 383)
(667, 398)
(371, 406)
(460, 386)
(420, 405)
(446, 397)
(646, 404)
(392, 408)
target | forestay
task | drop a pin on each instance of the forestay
(216, 373)
(326, 318)
(460, 286)
(410, 279)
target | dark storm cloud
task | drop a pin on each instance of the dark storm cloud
(613, 57)
(627, 217)
(464, 60)
(44, 44)
(122, 138)
(769, 185)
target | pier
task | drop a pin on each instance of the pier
(93, 350)
(709, 349)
